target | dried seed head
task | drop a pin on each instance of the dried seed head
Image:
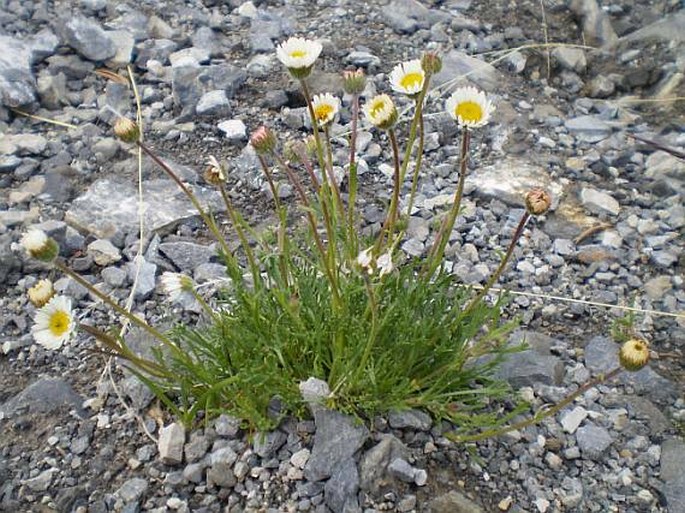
(41, 293)
(126, 130)
(634, 354)
(538, 201)
(431, 62)
(214, 174)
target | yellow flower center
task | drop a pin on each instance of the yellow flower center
(469, 111)
(59, 323)
(298, 54)
(377, 108)
(412, 80)
(323, 111)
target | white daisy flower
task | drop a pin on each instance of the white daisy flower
(54, 323)
(381, 111)
(365, 258)
(384, 264)
(408, 77)
(176, 285)
(41, 293)
(469, 107)
(298, 55)
(38, 245)
(326, 106)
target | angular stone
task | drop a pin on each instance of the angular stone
(189, 83)
(17, 83)
(234, 129)
(673, 474)
(599, 202)
(593, 440)
(341, 489)
(213, 103)
(103, 252)
(407, 16)
(42, 481)
(453, 502)
(589, 129)
(570, 58)
(400, 469)
(88, 39)
(457, 64)
(45, 395)
(187, 255)
(412, 419)
(572, 419)
(110, 206)
(374, 463)
(338, 437)
(266, 445)
(170, 445)
(529, 367)
(227, 426)
(132, 490)
(597, 28)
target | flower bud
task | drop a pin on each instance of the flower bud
(538, 201)
(214, 174)
(354, 82)
(126, 130)
(41, 293)
(431, 62)
(634, 354)
(39, 246)
(263, 140)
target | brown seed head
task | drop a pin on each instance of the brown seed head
(214, 174)
(431, 62)
(538, 201)
(126, 130)
(634, 354)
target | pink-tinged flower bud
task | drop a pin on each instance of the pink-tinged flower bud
(634, 354)
(263, 140)
(126, 130)
(431, 62)
(538, 201)
(354, 82)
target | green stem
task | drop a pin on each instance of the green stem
(540, 415)
(315, 129)
(331, 176)
(419, 159)
(205, 306)
(270, 180)
(389, 224)
(418, 113)
(438, 249)
(373, 304)
(352, 198)
(118, 309)
(193, 199)
(503, 264)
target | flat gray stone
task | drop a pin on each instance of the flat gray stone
(453, 502)
(673, 474)
(593, 440)
(589, 129)
(412, 419)
(456, 64)
(338, 437)
(407, 16)
(45, 395)
(17, 82)
(170, 444)
(599, 202)
(110, 206)
(190, 83)
(187, 255)
(597, 28)
(570, 420)
(341, 489)
(374, 463)
(267, 444)
(132, 490)
(570, 58)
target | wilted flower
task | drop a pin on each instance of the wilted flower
(365, 258)
(41, 293)
(538, 201)
(38, 245)
(384, 264)
(354, 82)
(634, 354)
(469, 107)
(325, 106)
(381, 111)
(176, 285)
(431, 62)
(126, 130)
(408, 77)
(214, 174)
(298, 55)
(54, 323)
(263, 140)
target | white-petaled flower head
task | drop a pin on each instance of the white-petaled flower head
(176, 285)
(381, 111)
(469, 107)
(326, 107)
(41, 293)
(365, 258)
(38, 245)
(54, 323)
(384, 263)
(214, 173)
(408, 77)
(298, 55)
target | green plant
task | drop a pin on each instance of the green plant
(311, 302)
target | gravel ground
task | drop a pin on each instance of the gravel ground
(80, 435)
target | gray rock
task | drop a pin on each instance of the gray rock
(227, 426)
(17, 83)
(570, 58)
(673, 474)
(189, 57)
(593, 440)
(195, 472)
(52, 89)
(88, 39)
(187, 255)
(189, 83)
(400, 469)
(209, 272)
(412, 419)
(196, 447)
(572, 419)
(601, 356)
(453, 502)
(142, 273)
(589, 129)
(458, 64)
(45, 395)
(657, 287)
(599, 202)
(132, 490)
(407, 16)
(341, 489)
(154, 50)
(374, 463)
(138, 392)
(123, 42)
(221, 475)
(267, 444)
(597, 28)
(170, 445)
(41, 482)
(213, 103)
(668, 29)
(103, 252)
(413, 247)
(363, 59)
(109, 207)
(534, 365)
(338, 437)
(601, 87)
(314, 392)
(234, 130)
